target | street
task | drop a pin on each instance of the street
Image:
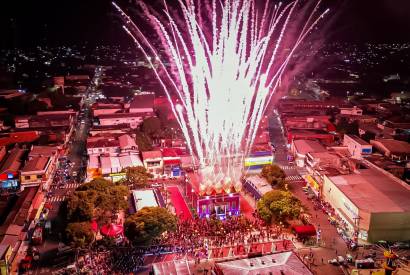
(69, 175)
(333, 244)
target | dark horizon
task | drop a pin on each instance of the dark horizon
(27, 24)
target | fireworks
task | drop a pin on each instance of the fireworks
(227, 59)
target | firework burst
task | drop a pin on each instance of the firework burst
(226, 60)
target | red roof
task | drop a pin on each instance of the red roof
(305, 230)
(19, 137)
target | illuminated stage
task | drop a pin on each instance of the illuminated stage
(220, 205)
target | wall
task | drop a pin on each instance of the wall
(390, 227)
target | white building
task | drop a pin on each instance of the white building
(357, 147)
(353, 111)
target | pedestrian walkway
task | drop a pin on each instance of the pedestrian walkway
(181, 208)
(294, 178)
(72, 185)
(287, 167)
(56, 199)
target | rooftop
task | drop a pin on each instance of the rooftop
(101, 143)
(13, 161)
(358, 140)
(123, 115)
(36, 164)
(392, 145)
(46, 151)
(373, 191)
(304, 146)
(278, 263)
(151, 155)
(142, 101)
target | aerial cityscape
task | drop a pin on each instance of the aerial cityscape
(205, 137)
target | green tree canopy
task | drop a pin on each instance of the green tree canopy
(79, 234)
(143, 141)
(279, 206)
(148, 224)
(151, 126)
(274, 175)
(137, 176)
(80, 205)
(94, 198)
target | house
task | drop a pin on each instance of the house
(101, 145)
(37, 171)
(172, 161)
(18, 137)
(153, 162)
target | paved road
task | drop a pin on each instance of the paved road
(62, 188)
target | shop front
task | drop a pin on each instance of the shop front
(313, 184)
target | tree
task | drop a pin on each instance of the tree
(137, 176)
(98, 184)
(143, 141)
(94, 199)
(80, 206)
(151, 126)
(279, 206)
(79, 234)
(148, 224)
(274, 175)
(346, 127)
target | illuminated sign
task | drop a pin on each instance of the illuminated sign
(256, 161)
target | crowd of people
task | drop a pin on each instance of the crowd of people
(195, 238)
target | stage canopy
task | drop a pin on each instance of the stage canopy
(304, 230)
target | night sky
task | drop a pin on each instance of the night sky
(30, 23)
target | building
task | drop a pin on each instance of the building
(112, 166)
(172, 161)
(352, 111)
(18, 137)
(357, 147)
(142, 104)
(276, 264)
(373, 204)
(310, 122)
(393, 149)
(153, 162)
(315, 134)
(38, 171)
(9, 170)
(301, 147)
(133, 119)
(101, 145)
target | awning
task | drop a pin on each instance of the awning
(172, 162)
(304, 230)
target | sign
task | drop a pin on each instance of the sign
(176, 171)
(256, 161)
(9, 184)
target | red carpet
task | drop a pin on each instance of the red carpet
(181, 208)
(246, 208)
